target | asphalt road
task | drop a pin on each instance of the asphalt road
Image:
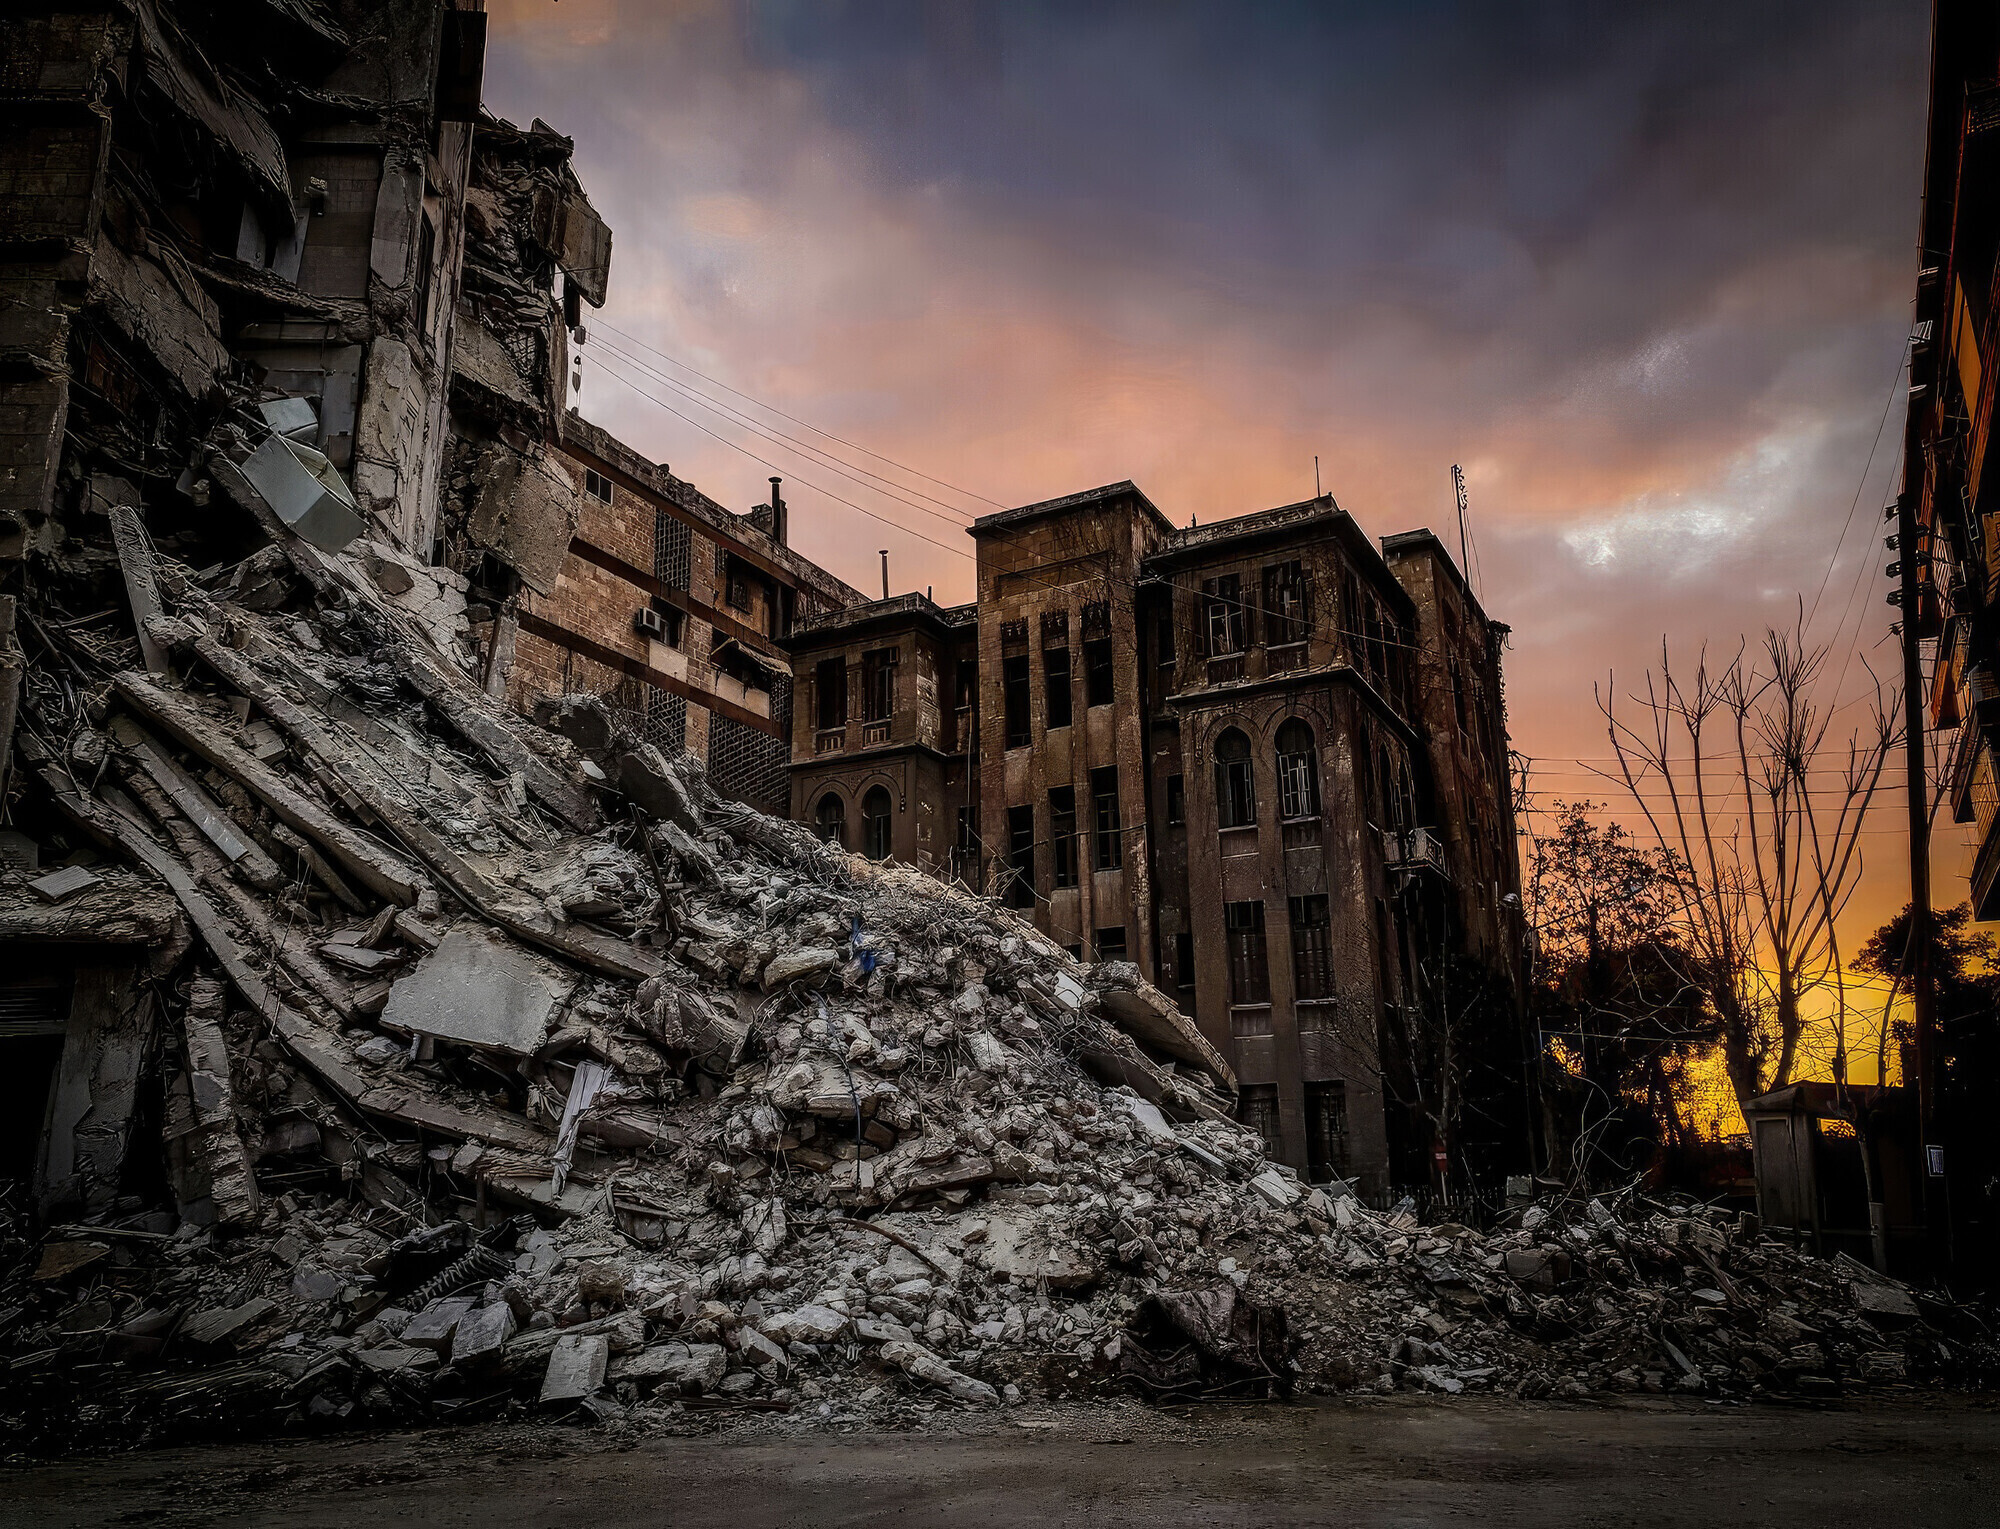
(1389, 1462)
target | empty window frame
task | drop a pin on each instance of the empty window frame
(1249, 970)
(1258, 1109)
(1235, 790)
(1184, 959)
(830, 692)
(966, 684)
(1298, 772)
(878, 684)
(876, 810)
(1014, 696)
(1062, 836)
(736, 587)
(1021, 857)
(1176, 801)
(1287, 614)
(1222, 614)
(1098, 670)
(1111, 943)
(830, 819)
(1056, 685)
(1110, 841)
(1163, 642)
(1312, 947)
(1326, 1130)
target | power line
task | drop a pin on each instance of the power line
(794, 419)
(826, 459)
(613, 372)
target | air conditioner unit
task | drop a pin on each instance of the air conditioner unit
(648, 622)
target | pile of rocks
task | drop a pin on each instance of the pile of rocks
(507, 1066)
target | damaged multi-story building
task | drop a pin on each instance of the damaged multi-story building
(1261, 759)
(270, 271)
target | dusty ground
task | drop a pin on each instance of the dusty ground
(1393, 1461)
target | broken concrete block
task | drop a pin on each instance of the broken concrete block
(1025, 1242)
(482, 1334)
(919, 1363)
(576, 1368)
(758, 1349)
(1276, 1188)
(482, 990)
(691, 1367)
(1537, 1268)
(222, 1323)
(433, 1327)
(397, 1359)
(65, 883)
(795, 965)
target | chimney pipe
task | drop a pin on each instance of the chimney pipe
(885, 573)
(778, 526)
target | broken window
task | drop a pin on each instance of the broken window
(1014, 693)
(1326, 1130)
(1222, 614)
(878, 684)
(1235, 793)
(1110, 854)
(830, 819)
(875, 813)
(830, 692)
(597, 485)
(1286, 617)
(1163, 642)
(1097, 672)
(1062, 835)
(1249, 972)
(1056, 682)
(1176, 801)
(1021, 857)
(1298, 772)
(1111, 943)
(1184, 959)
(1312, 947)
(738, 590)
(1259, 1111)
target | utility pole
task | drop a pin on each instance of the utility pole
(1913, 551)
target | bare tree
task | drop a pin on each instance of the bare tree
(1723, 765)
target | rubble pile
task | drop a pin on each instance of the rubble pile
(504, 1065)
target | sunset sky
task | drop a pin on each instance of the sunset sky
(1644, 270)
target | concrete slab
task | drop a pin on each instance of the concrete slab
(482, 990)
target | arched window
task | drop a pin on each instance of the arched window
(875, 810)
(1235, 796)
(830, 818)
(1298, 772)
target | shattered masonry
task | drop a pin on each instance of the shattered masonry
(374, 1052)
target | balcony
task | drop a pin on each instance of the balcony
(874, 732)
(829, 740)
(1415, 850)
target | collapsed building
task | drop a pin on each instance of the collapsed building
(373, 1050)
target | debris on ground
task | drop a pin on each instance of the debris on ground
(505, 1067)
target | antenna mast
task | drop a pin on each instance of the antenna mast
(1458, 484)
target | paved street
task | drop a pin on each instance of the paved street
(1400, 1462)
